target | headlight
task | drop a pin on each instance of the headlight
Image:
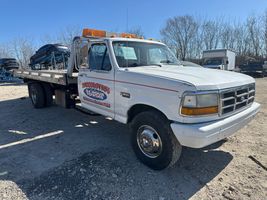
(199, 104)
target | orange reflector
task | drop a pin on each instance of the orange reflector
(199, 111)
(128, 35)
(93, 33)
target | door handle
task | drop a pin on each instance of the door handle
(82, 74)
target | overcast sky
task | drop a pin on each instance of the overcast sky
(36, 18)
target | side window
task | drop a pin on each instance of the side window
(83, 54)
(99, 58)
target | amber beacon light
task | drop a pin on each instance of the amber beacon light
(101, 33)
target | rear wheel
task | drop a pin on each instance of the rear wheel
(48, 94)
(37, 95)
(153, 140)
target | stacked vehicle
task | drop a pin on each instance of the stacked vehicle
(6, 66)
(50, 56)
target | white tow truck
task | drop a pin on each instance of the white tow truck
(141, 83)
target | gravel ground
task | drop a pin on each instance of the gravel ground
(57, 153)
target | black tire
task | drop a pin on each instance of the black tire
(37, 95)
(48, 94)
(170, 147)
(263, 73)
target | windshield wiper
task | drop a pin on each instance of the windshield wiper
(139, 65)
(159, 65)
(132, 65)
(166, 62)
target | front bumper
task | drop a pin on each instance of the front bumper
(204, 134)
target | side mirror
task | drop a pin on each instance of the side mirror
(227, 62)
(106, 67)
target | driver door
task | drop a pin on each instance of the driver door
(96, 82)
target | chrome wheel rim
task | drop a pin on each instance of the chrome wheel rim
(149, 141)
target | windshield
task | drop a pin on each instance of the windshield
(215, 61)
(134, 54)
(189, 64)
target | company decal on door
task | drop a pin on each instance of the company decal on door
(96, 93)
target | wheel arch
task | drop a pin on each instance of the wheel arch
(138, 108)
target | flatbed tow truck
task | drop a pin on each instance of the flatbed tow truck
(141, 83)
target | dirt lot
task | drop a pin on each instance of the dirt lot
(57, 153)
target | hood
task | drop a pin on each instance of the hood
(201, 78)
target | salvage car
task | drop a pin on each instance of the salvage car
(8, 63)
(49, 55)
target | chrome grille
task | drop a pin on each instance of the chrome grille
(236, 98)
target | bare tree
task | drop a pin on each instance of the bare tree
(254, 34)
(137, 31)
(227, 36)
(211, 30)
(66, 36)
(197, 44)
(264, 34)
(179, 32)
(5, 51)
(23, 49)
(241, 39)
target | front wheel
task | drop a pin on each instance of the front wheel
(153, 140)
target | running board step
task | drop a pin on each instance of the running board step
(78, 106)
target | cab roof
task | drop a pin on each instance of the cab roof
(126, 39)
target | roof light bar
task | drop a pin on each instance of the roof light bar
(100, 33)
(93, 33)
(128, 35)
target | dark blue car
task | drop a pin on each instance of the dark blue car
(8, 63)
(48, 56)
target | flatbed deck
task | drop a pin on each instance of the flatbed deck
(51, 76)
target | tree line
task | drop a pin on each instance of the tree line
(187, 35)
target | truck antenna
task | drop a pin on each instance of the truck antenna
(127, 28)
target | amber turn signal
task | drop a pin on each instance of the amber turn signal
(199, 111)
